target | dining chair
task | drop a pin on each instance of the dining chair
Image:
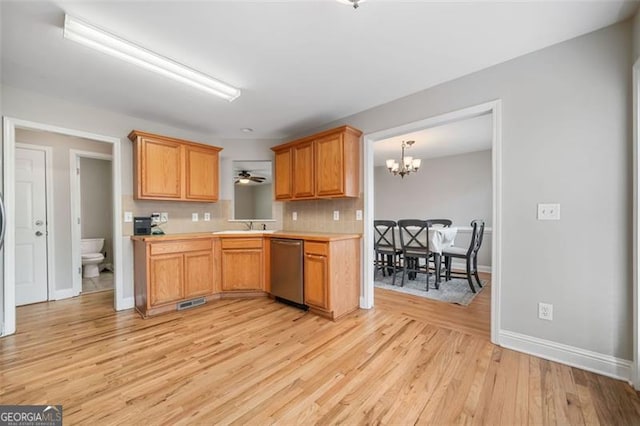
(414, 240)
(470, 255)
(387, 252)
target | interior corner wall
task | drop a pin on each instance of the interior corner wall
(566, 138)
(635, 37)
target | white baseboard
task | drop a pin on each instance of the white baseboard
(66, 293)
(127, 303)
(576, 357)
(461, 266)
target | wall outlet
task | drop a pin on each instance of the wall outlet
(548, 211)
(358, 214)
(545, 311)
(194, 217)
(155, 217)
(128, 216)
(336, 215)
(207, 217)
(164, 217)
(294, 216)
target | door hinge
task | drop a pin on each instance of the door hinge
(78, 221)
(78, 171)
(79, 269)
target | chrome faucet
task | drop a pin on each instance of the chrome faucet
(249, 225)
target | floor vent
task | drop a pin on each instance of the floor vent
(191, 303)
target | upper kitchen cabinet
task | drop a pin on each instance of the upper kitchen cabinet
(324, 165)
(174, 169)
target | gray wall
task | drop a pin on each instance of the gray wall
(96, 202)
(61, 165)
(566, 130)
(457, 187)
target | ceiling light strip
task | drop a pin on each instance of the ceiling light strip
(102, 41)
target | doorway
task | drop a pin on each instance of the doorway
(122, 300)
(494, 110)
(33, 207)
(92, 229)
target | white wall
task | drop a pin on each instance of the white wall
(566, 138)
(96, 202)
(61, 165)
(457, 187)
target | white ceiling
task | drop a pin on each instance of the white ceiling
(460, 137)
(300, 64)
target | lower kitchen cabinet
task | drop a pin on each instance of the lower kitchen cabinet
(169, 272)
(332, 276)
(243, 265)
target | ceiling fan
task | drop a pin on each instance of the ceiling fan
(245, 177)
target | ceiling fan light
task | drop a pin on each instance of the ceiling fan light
(354, 3)
(244, 180)
(95, 38)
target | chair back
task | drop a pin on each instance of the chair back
(414, 236)
(385, 236)
(476, 237)
(444, 223)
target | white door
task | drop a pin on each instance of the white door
(31, 227)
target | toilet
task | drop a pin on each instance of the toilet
(91, 257)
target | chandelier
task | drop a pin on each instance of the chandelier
(407, 164)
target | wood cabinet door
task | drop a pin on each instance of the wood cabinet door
(242, 269)
(329, 165)
(198, 273)
(166, 278)
(303, 173)
(160, 169)
(201, 170)
(283, 177)
(316, 280)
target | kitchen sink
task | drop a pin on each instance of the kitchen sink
(246, 231)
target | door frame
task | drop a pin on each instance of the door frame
(495, 109)
(76, 202)
(635, 365)
(48, 178)
(8, 152)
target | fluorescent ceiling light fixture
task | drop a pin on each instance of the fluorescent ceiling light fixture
(83, 33)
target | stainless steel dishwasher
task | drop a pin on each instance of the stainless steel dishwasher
(287, 271)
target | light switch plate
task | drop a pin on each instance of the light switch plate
(128, 216)
(194, 217)
(358, 214)
(548, 211)
(207, 217)
(164, 217)
(294, 216)
(336, 215)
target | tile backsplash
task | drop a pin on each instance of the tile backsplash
(180, 215)
(317, 215)
(313, 215)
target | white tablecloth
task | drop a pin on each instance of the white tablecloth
(439, 238)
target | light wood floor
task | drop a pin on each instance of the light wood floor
(407, 361)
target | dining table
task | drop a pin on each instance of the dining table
(440, 238)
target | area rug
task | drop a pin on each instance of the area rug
(455, 290)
